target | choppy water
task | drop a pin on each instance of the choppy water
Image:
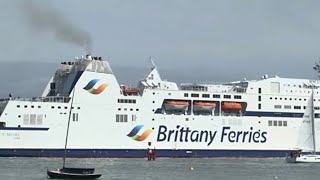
(162, 168)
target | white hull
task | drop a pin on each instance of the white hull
(304, 158)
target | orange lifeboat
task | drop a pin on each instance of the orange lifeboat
(127, 91)
(231, 106)
(176, 105)
(203, 106)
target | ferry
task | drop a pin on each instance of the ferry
(245, 118)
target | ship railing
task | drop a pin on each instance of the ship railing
(58, 99)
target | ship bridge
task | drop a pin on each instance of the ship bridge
(68, 74)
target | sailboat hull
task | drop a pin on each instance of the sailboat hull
(72, 173)
(304, 158)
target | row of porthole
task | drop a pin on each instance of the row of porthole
(290, 99)
(52, 107)
(125, 109)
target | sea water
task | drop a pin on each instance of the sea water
(164, 168)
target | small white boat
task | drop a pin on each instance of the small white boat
(303, 158)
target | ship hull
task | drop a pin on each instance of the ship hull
(141, 153)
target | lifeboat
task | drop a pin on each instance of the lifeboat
(203, 106)
(128, 91)
(231, 106)
(176, 105)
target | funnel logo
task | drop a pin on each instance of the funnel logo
(90, 87)
(134, 133)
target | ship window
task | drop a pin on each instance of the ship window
(277, 106)
(194, 95)
(186, 94)
(285, 98)
(215, 96)
(2, 124)
(269, 123)
(259, 98)
(39, 106)
(117, 118)
(125, 118)
(78, 107)
(284, 123)
(316, 108)
(32, 106)
(65, 107)
(279, 123)
(259, 106)
(275, 123)
(52, 107)
(126, 101)
(137, 109)
(26, 119)
(119, 109)
(25, 106)
(32, 119)
(118, 100)
(296, 107)
(18, 106)
(131, 109)
(259, 90)
(59, 107)
(205, 95)
(125, 109)
(134, 101)
(287, 107)
(270, 97)
(237, 97)
(227, 96)
(304, 107)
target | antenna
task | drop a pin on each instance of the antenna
(152, 62)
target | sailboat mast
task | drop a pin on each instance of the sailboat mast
(312, 122)
(66, 142)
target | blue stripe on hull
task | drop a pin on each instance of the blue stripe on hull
(136, 153)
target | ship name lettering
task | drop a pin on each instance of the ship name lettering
(182, 134)
(243, 136)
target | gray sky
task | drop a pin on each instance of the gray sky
(208, 38)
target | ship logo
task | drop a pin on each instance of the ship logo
(134, 133)
(90, 87)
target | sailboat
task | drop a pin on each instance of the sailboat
(307, 157)
(67, 172)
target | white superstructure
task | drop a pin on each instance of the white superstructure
(253, 118)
